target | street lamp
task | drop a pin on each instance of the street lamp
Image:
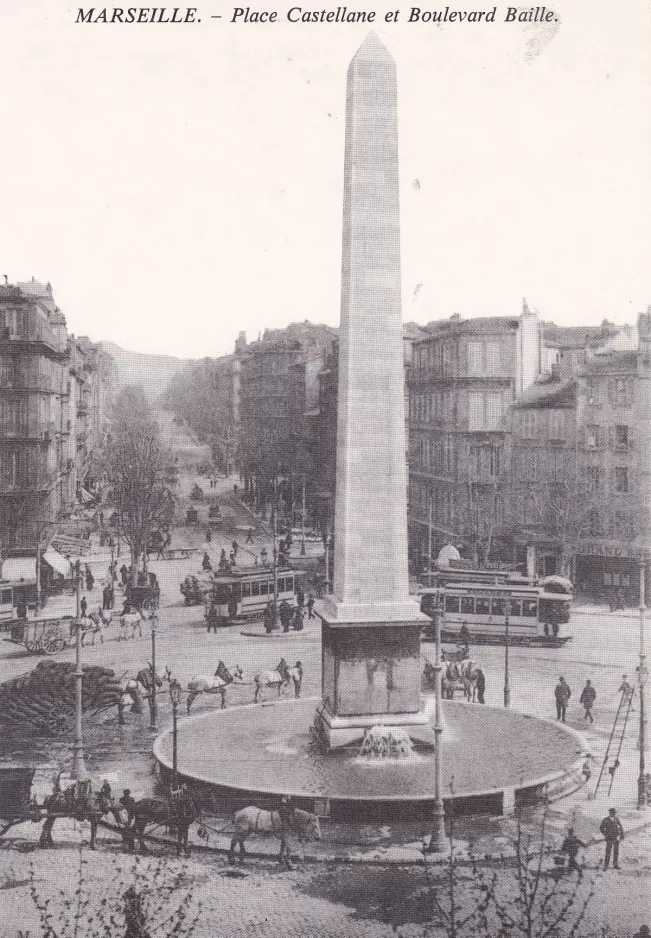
(642, 676)
(153, 700)
(79, 770)
(175, 697)
(303, 521)
(437, 843)
(326, 546)
(507, 685)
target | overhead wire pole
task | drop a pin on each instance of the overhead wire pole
(642, 674)
(79, 770)
(437, 843)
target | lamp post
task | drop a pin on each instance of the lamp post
(429, 540)
(507, 685)
(642, 676)
(79, 770)
(303, 521)
(175, 697)
(437, 843)
(327, 559)
(153, 701)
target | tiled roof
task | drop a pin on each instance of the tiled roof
(548, 393)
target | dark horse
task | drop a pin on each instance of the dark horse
(179, 811)
(80, 802)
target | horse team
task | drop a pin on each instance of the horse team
(178, 812)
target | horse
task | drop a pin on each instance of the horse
(140, 688)
(253, 820)
(80, 802)
(279, 678)
(131, 620)
(98, 622)
(178, 811)
(217, 684)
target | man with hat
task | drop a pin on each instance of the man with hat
(613, 832)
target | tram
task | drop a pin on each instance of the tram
(13, 595)
(244, 592)
(538, 613)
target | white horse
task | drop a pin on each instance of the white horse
(255, 821)
(215, 684)
(133, 621)
(279, 678)
(98, 622)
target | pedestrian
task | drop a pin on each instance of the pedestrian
(111, 597)
(310, 607)
(613, 833)
(124, 574)
(235, 547)
(269, 617)
(249, 536)
(129, 804)
(83, 605)
(223, 563)
(587, 698)
(586, 768)
(205, 563)
(232, 607)
(464, 635)
(300, 597)
(570, 847)
(263, 555)
(562, 693)
(625, 689)
(298, 619)
(233, 558)
(208, 535)
(123, 700)
(481, 685)
(285, 614)
(298, 678)
(212, 618)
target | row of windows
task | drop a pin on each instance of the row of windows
(552, 424)
(620, 479)
(491, 606)
(483, 358)
(618, 436)
(618, 391)
(486, 410)
(440, 455)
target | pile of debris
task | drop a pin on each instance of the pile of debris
(43, 701)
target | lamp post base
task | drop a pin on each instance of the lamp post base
(438, 842)
(79, 771)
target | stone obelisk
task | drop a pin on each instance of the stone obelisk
(370, 626)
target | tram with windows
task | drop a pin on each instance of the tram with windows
(244, 592)
(538, 612)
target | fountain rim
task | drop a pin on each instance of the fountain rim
(163, 760)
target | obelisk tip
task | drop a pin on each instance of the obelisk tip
(373, 49)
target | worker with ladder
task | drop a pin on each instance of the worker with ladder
(616, 740)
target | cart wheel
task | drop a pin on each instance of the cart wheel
(31, 645)
(52, 643)
(59, 722)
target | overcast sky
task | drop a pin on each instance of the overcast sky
(177, 184)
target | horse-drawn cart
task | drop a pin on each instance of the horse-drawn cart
(143, 597)
(43, 636)
(16, 803)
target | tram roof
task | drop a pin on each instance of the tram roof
(234, 576)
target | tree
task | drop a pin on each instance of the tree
(141, 473)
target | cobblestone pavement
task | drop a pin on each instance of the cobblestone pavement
(330, 900)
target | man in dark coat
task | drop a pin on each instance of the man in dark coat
(212, 619)
(310, 606)
(570, 847)
(587, 698)
(481, 686)
(285, 613)
(562, 693)
(613, 833)
(83, 605)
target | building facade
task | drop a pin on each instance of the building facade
(464, 377)
(53, 397)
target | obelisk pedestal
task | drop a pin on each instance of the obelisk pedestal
(370, 625)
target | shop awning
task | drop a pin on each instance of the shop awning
(57, 561)
(19, 568)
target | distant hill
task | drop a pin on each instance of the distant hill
(153, 372)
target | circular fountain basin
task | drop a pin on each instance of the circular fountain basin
(491, 759)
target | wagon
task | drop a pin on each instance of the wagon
(16, 803)
(143, 597)
(179, 553)
(43, 635)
